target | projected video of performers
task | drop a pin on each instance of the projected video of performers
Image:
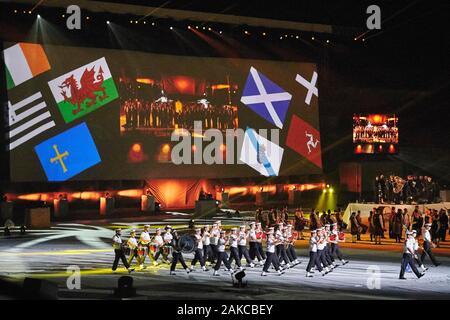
(375, 133)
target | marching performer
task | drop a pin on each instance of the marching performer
(177, 255)
(416, 251)
(158, 243)
(132, 244)
(234, 251)
(327, 249)
(167, 238)
(280, 248)
(221, 254)
(215, 235)
(290, 245)
(321, 244)
(198, 255)
(207, 249)
(119, 252)
(272, 258)
(259, 237)
(428, 245)
(313, 260)
(408, 255)
(144, 240)
(336, 237)
(242, 246)
(254, 242)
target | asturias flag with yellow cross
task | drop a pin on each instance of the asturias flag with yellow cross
(84, 90)
(67, 154)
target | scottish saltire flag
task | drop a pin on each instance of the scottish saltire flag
(261, 154)
(27, 119)
(305, 140)
(84, 90)
(266, 98)
(67, 154)
(24, 61)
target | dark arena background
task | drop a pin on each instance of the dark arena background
(163, 117)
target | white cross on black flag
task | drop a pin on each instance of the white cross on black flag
(27, 119)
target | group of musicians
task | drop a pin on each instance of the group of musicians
(210, 245)
(394, 189)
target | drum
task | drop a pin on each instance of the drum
(187, 243)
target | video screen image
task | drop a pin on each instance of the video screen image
(77, 113)
(375, 133)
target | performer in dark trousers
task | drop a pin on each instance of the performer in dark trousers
(259, 237)
(327, 249)
(119, 252)
(272, 258)
(321, 244)
(313, 261)
(242, 246)
(207, 249)
(335, 238)
(253, 252)
(428, 245)
(290, 243)
(222, 255)
(177, 255)
(234, 251)
(215, 234)
(198, 255)
(280, 248)
(408, 255)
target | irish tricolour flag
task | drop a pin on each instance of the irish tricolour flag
(24, 61)
(84, 90)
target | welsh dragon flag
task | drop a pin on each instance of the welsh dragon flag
(84, 90)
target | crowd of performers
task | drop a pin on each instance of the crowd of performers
(394, 189)
(375, 134)
(146, 114)
(398, 222)
(211, 244)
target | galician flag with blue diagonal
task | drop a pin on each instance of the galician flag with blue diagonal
(67, 154)
(266, 98)
(261, 154)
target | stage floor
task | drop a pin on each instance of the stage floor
(46, 254)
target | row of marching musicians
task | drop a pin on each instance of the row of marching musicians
(211, 243)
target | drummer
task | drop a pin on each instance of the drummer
(167, 238)
(144, 241)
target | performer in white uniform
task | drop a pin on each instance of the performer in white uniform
(119, 253)
(272, 258)
(198, 255)
(408, 254)
(222, 255)
(132, 244)
(242, 246)
(428, 245)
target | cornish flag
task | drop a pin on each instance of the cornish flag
(24, 61)
(84, 90)
(261, 154)
(266, 98)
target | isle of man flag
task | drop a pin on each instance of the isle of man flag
(305, 140)
(84, 90)
(24, 61)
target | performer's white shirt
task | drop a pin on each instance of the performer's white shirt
(252, 235)
(270, 244)
(168, 237)
(321, 246)
(427, 236)
(145, 237)
(132, 243)
(416, 245)
(242, 238)
(409, 244)
(313, 244)
(206, 238)
(233, 240)
(199, 241)
(215, 233)
(221, 245)
(159, 240)
(117, 242)
(279, 235)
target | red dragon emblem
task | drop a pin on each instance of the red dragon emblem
(87, 90)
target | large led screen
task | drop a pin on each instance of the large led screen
(76, 113)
